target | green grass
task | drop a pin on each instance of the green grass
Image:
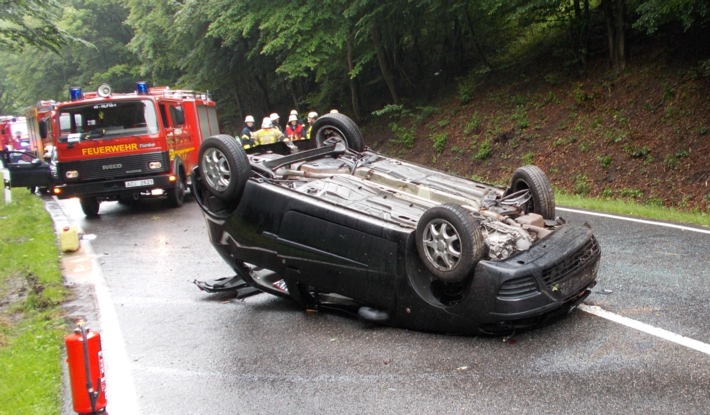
(629, 208)
(32, 325)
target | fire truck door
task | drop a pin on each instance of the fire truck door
(177, 132)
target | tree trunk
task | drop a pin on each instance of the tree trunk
(382, 60)
(354, 91)
(238, 103)
(581, 32)
(614, 14)
(479, 50)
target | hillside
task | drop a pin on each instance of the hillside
(642, 135)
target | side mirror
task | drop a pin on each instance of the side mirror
(36, 162)
(179, 116)
(43, 131)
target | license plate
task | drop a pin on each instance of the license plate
(138, 183)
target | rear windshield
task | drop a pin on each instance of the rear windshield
(107, 120)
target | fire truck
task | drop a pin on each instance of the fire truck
(39, 124)
(112, 146)
(10, 126)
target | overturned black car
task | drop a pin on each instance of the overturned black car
(330, 224)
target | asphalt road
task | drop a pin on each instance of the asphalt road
(172, 349)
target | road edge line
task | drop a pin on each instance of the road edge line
(644, 221)
(121, 394)
(647, 328)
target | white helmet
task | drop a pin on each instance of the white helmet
(292, 118)
(312, 114)
(294, 112)
(274, 116)
(266, 123)
(249, 118)
(334, 111)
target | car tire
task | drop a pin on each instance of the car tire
(176, 194)
(534, 179)
(90, 206)
(224, 167)
(449, 242)
(337, 127)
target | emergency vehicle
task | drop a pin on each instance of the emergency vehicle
(112, 146)
(13, 133)
(39, 124)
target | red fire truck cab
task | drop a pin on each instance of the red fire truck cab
(125, 146)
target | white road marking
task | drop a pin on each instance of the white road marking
(121, 395)
(648, 222)
(120, 390)
(647, 328)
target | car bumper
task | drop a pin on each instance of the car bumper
(551, 273)
(548, 280)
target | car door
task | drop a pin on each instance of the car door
(26, 170)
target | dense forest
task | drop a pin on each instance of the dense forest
(396, 61)
(258, 56)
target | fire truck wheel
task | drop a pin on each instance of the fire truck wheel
(176, 195)
(90, 206)
(224, 166)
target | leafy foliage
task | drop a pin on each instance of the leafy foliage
(263, 56)
(30, 23)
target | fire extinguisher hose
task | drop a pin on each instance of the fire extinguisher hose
(93, 395)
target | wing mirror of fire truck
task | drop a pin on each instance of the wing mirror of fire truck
(43, 129)
(179, 116)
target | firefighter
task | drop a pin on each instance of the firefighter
(18, 141)
(311, 119)
(294, 129)
(275, 121)
(295, 112)
(247, 138)
(268, 134)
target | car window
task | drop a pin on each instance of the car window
(21, 157)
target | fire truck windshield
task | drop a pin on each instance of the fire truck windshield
(107, 119)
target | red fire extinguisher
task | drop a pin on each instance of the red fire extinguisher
(86, 370)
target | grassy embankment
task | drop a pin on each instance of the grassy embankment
(32, 325)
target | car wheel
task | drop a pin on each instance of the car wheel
(90, 206)
(449, 242)
(176, 195)
(333, 128)
(224, 166)
(534, 179)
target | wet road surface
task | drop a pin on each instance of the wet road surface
(188, 352)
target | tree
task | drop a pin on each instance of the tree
(615, 17)
(653, 14)
(30, 23)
